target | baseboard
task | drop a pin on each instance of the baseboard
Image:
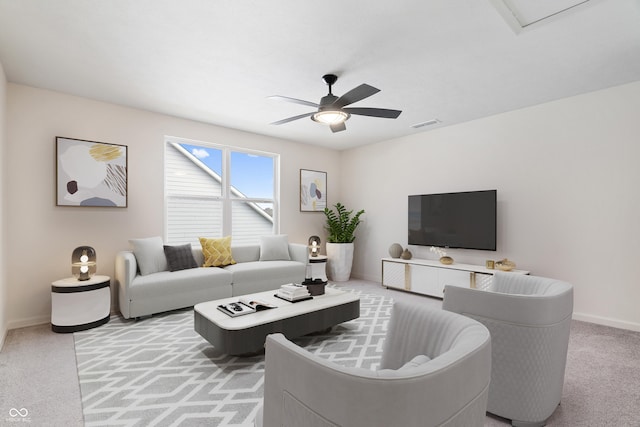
(3, 336)
(607, 321)
(29, 321)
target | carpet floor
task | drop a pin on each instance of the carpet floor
(160, 372)
(38, 373)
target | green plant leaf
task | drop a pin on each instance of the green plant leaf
(340, 225)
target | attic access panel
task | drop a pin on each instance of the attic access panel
(521, 14)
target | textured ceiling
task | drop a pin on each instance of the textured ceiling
(218, 61)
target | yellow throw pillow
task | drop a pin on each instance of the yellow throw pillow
(217, 252)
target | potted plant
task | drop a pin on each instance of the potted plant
(341, 226)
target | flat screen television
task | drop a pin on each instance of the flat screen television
(464, 220)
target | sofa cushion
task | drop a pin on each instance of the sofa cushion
(170, 290)
(217, 252)
(274, 248)
(245, 253)
(259, 276)
(263, 270)
(179, 257)
(149, 255)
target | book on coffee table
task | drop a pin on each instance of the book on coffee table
(293, 292)
(235, 309)
(256, 304)
(244, 305)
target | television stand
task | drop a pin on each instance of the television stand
(429, 277)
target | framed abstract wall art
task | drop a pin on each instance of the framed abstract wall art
(90, 173)
(313, 191)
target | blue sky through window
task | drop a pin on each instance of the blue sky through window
(250, 174)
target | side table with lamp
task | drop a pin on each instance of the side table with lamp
(316, 279)
(83, 301)
(318, 266)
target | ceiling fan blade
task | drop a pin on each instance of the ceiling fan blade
(294, 100)
(374, 112)
(290, 119)
(356, 94)
(338, 127)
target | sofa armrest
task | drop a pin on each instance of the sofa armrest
(126, 270)
(299, 252)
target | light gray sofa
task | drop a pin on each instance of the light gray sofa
(529, 318)
(435, 371)
(142, 295)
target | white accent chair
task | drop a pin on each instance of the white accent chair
(435, 371)
(529, 318)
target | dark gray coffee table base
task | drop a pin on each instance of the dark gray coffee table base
(251, 340)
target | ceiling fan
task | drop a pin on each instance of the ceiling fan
(331, 109)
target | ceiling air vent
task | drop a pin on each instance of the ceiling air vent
(427, 123)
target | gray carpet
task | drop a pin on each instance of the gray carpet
(602, 378)
(159, 372)
(602, 383)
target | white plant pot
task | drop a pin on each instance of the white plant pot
(339, 261)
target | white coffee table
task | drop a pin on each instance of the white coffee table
(246, 334)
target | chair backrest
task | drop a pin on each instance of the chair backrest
(450, 388)
(524, 284)
(515, 298)
(415, 330)
(529, 318)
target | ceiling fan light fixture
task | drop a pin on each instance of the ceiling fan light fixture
(331, 110)
(330, 117)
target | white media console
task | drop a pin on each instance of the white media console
(429, 277)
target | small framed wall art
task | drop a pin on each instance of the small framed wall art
(90, 173)
(313, 191)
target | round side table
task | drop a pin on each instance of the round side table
(318, 266)
(79, 305)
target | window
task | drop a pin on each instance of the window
(214, 191)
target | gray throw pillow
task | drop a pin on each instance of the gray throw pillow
(149, 255)
(180, 257)
(274, 248)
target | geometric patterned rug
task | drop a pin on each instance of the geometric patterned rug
(160, 372)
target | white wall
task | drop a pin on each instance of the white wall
(567, 177)
(40, 236)
(3, 275)
(565, 173)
